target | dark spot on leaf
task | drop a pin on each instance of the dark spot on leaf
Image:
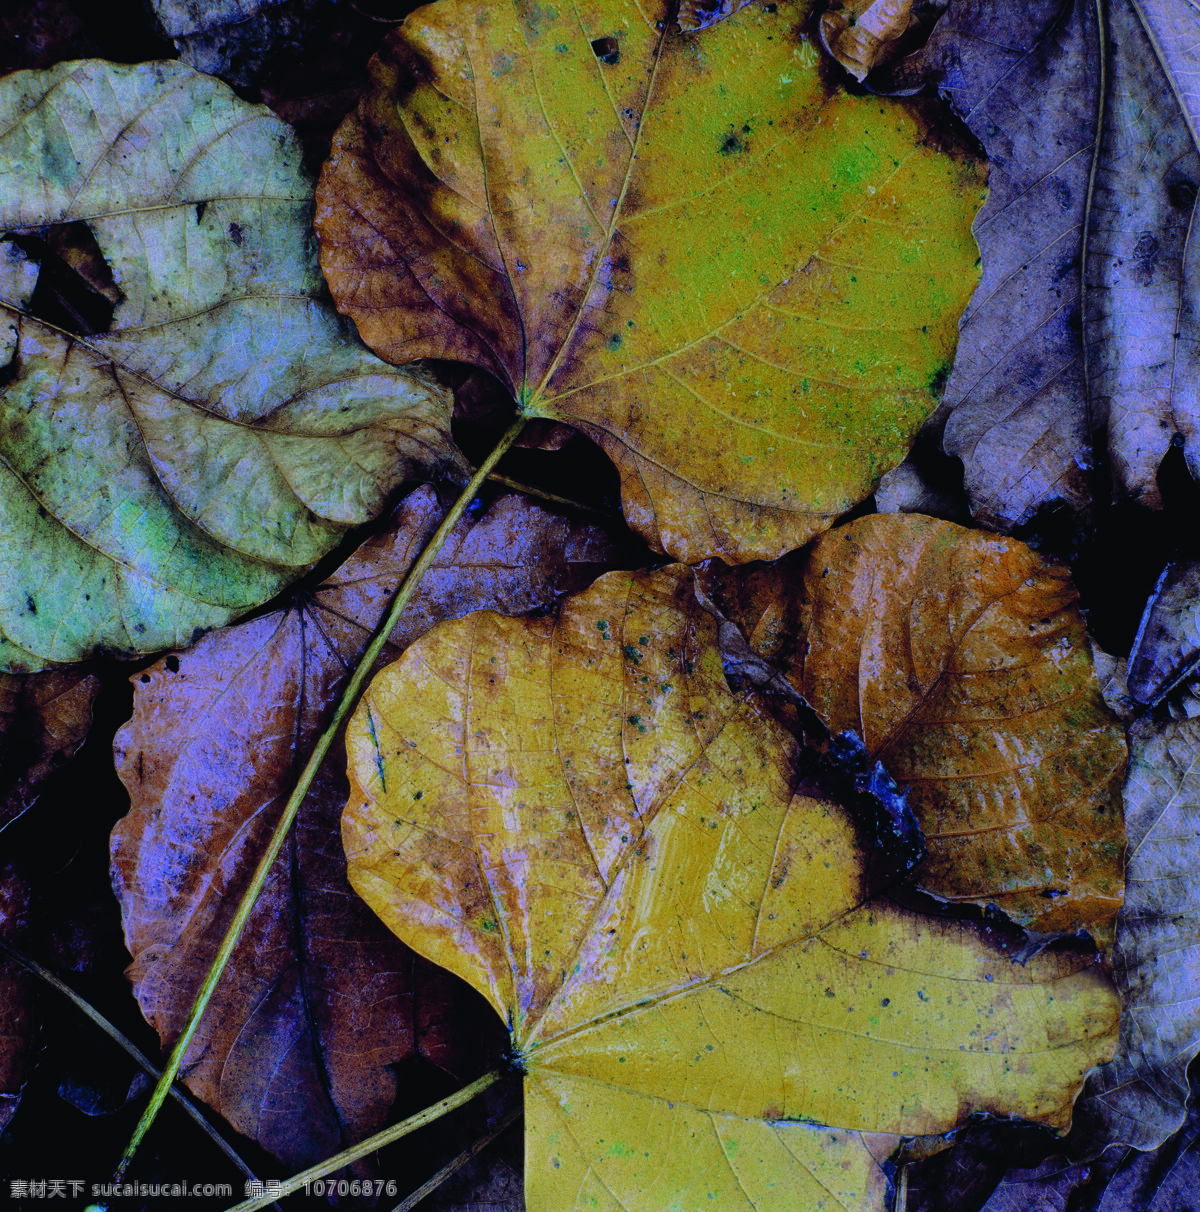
(1181, 193)
(614, 342)
(201, 207)
(172, 663)
(607, 50)
(235, 233)
(31, 605)
(733, 144)
(937, 384)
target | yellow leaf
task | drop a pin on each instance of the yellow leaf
(744, 285)
(576, 815)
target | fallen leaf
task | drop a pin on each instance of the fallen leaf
(575, 814)
(864, 33)
(1141, 324)
(960, 659)
(742, 284)
(1167, 646)
(1140, 1098)
(234, 39)
(225, 432)
(44, 718)
(1122, 1178)
(1023, 78)
(319, 1001)
(306, 59)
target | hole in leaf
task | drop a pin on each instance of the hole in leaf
(606, 50)
(75, 286)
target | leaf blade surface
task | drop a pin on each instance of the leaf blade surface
(731, 961)
(676, 242)
(225, 431)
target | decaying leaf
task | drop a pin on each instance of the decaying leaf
(578, 816)
(1142, 324)
(233, 39)
(961, 660)
(1140, 1098)
(167, 474)
(319, 1000)
(743, 285)
(1167, 646)
(861, 34)
(305, 58)
(1023, 78)
(44, 718)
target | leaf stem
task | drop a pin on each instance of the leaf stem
(122, 1040)
(345, 705)
(533, 491)
(395, 1132)
(432, 1184)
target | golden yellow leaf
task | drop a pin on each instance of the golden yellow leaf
(576, 815)
(961, 660)
(743, 284)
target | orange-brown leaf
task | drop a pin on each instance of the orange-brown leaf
(961, 659)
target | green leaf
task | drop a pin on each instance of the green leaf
(167, 474)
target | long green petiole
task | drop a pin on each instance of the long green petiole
(344, 707)
(395, 1132)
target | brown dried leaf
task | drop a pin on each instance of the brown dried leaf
(862, 34)
(1141, 1097)
(320, 1000)
(44, 718)
(961, 660)
(1022, 76)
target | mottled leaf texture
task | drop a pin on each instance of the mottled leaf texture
(1142, 327)
(961, 660)
(1023, 77)
(169, 473)
(743, 283)
(44, 718)
(319, 1001)
(1140, 1097)
(578, 816)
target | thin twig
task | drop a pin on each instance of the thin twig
(345, 705)
(395, 1132)
(428, 1188)
(136, 1054)
(532, 490)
